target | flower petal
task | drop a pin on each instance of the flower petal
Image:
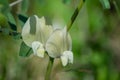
(70, 56)
(64, 60)
(58, 42)
(43, 31)
(38, 49)
(67, 57)
(67, 39)
(26, 36)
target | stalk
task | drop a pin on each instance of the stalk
(75, 14)
(49, 69)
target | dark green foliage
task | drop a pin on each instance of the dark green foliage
(12, 26)
(16, 35)
(22, 18)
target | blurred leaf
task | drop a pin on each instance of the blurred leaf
(117, 2)
(3, 21)
(97, 20)
(97, 59)
(22, 18)
(105, 4)
(24, 6)
(3, 1)
(12, 26)
(117, 7)
(5, 31)
(102, 73)
(16, 35)
(114, 74)
(25, 51)
(11, 18)
(4, 6)
(66, 1)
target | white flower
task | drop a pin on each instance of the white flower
(59, 45)
(35, 33)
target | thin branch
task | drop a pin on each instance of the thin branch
(15, 2)
(49, 69)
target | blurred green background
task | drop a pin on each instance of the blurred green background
(95, 38)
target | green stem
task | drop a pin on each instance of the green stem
(75, 15)
(49, 69)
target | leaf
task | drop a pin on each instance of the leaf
(66, 1)
(105, 4)
(4, 6)
(11, 18)
(16, 35)
(96, 17)
(5, 31)
(25, 5)
(12, 26)
(25, 51)
(3, 21)
(22, 18)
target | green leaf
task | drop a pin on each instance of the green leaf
(96, 17)
(25, 5)
(66, 1)
(3, 21)
(4, 6)
(25, 51)
(5, 31)
(12, 26)
(11, 18)
(22, 18)
(16, 35)
(105, 4)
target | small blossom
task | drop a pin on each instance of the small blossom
(59, 45)
(35, 33)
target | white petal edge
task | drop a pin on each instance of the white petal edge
(69, 55)
(38, 48)
(40, 22)
(64, 60)
(25, 33)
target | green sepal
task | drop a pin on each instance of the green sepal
(25, 51)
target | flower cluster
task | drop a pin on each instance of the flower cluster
(41, 37)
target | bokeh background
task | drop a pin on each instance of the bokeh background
(95, 40)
